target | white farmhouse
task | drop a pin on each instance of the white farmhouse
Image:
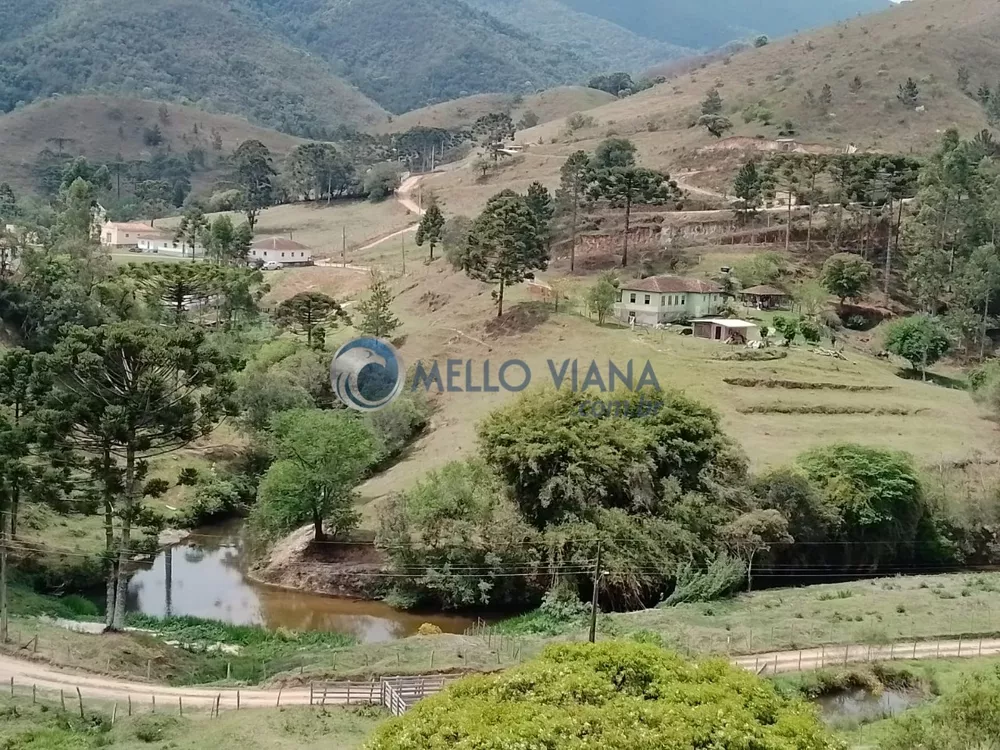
(668, 299)
(125, 234)
(280, 250)
(166, 243)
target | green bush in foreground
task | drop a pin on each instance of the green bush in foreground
(612, 696)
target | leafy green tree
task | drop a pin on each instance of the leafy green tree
(254, 173)
(602, 296)
(381, 181)
(810, 331)
(126, 392)
(318, 169)
(787, 326)
(878, 495)
(528, 120)
(754, 533)
(493, 130)
(459, 517)
(576, 175)
(321, 457)
(376, 309)
(226, 244)
(505, 244)
(717, 125)
(431, 228)
(74, 228)
(919, 339)
(639, 695)
(625, 187)
(761, 41)
(455, 239)
(561, 463)
(847, 276)
(613, 153)
(308, 311)
(613, 83)
(190, 230)
(712, 105)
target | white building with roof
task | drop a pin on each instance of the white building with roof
(125, 234)
(667, 299)
(281, 250)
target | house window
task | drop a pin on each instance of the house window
(647, 299)
(632, 298)
(663, 300)
(302, 255)
(282, 255)
(683, 300)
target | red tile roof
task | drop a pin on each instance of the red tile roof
(278, 243)
(672, 284)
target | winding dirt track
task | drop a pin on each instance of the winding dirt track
(48, 678)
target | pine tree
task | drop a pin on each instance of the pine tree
(909, 93)
(712, 104)
(748, 189)
(376, 316)
(576, 175)
(826, 96)
(431, 228)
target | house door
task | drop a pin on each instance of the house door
(718, 333)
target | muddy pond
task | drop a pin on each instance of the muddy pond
(205, 575)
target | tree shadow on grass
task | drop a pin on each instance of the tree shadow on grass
(934, 378)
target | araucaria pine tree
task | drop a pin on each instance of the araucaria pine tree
(376, 314)
(712, 104)
(431, 228)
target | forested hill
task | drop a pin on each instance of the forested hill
(712, 23)
(205, 52)
(302, 65)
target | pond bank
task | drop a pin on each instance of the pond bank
(208, 575)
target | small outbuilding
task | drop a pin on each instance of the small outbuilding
(766, 297)
(727, 330)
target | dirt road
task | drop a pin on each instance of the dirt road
(48, 678)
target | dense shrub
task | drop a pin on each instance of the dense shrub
(613, 696)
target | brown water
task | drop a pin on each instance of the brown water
(205, 576)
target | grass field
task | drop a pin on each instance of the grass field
(42, 726)
(322, 227)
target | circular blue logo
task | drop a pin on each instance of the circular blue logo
(367, 374)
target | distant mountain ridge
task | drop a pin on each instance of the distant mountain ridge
(711, 23)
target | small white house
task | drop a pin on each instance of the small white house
(125, 234)
(280, 250)
(166, 243)
(667, 299)
(728, 330)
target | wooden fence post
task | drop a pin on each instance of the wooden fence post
(278, 703)
(62, 700)
(149, 668)
(34, 694)
(130, 705)
(180, 705)
(310, 693)
(114, 713)
(432, 658)
(154, 704)
(79, 695)
(237, 700)
(800, 660)
(218, 704)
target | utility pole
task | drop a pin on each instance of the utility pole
(402, 242)
(3, 575)
(593, 603)
(343, 249)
